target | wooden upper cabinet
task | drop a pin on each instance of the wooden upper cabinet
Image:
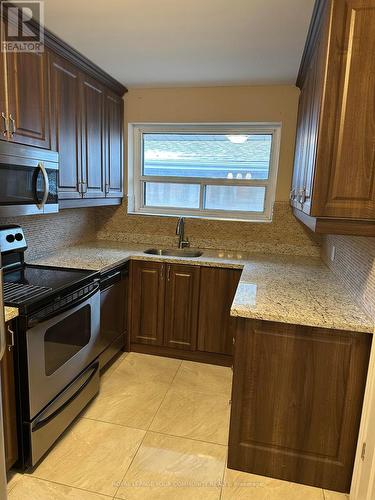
(114, 178)
(216, 328)
(93, 138)
(66, 125)
(181, 306)
(28, 103)
(147, 310)
(334, 178)
(3, 102)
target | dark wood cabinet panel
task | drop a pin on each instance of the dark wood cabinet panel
(216, 328)
(114, 181)
(147, 310)
(93, 138)
(28, 103)
(349, 189)
(3, 101)
(296, 402)
(181, 306)
(8, 392)
(334, 172)
(66, 125)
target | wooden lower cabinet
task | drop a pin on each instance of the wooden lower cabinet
(296, 402)
(147, 308)
(216, 327)
(181, 306)
(164, 307)
(183, 311)
(8, 393)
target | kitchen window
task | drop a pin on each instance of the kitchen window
(211, 170)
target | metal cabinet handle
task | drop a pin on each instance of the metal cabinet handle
(162, 272)
(169, 273)
(11, 345)
(4, 119)
(46, 185)
(12, 125)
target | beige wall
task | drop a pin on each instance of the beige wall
(217, 104)
(276, 103)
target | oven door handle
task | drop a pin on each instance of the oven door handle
(45, 419)
(46, 185)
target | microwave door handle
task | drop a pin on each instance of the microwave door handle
(46, 185)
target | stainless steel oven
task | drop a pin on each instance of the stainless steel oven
(62, 366)
(60, 347)
(28, 181)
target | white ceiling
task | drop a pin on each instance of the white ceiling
(186, 42)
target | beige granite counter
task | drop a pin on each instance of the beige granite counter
(10, 313)
(288, 289)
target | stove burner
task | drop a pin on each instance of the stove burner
(19, 292)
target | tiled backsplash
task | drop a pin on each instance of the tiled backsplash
(354, 263)
(284, 235)
(45, 233)
(50, 232)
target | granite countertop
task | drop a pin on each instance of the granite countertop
(10, 313)
(289, 289)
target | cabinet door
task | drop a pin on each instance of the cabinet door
(345, 183)
(8, 392)
(147, 309)
(216, 328)
(93, 139)
(296, 402)
(114, 146)
(3, 104)
(66, 125)
(181, 306)
(309, 112)
(28, 106)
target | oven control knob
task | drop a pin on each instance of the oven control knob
(19, 236)
(10, 238)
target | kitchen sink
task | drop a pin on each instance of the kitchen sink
(174, 252)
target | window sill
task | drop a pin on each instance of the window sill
(203, 217)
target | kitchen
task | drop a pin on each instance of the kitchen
(187, 223)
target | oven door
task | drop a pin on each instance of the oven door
(60, 348)
(28, 185)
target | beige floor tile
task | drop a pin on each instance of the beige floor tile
(124, 402)
(333, 495)
(194, 415)
(174, 468)
(92, 455)
(13, 478)
(243, 486)
(30, 488)
(139, 368)
(209, 379)
(114, 365)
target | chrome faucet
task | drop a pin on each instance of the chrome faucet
(180, 231)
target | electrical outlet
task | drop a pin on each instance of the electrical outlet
(333, 253)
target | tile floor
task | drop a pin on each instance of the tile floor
(157, 430)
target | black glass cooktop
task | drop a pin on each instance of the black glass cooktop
(31, 283)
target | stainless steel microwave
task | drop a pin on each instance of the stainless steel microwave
(28, 180)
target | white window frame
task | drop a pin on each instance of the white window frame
(136, 179)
